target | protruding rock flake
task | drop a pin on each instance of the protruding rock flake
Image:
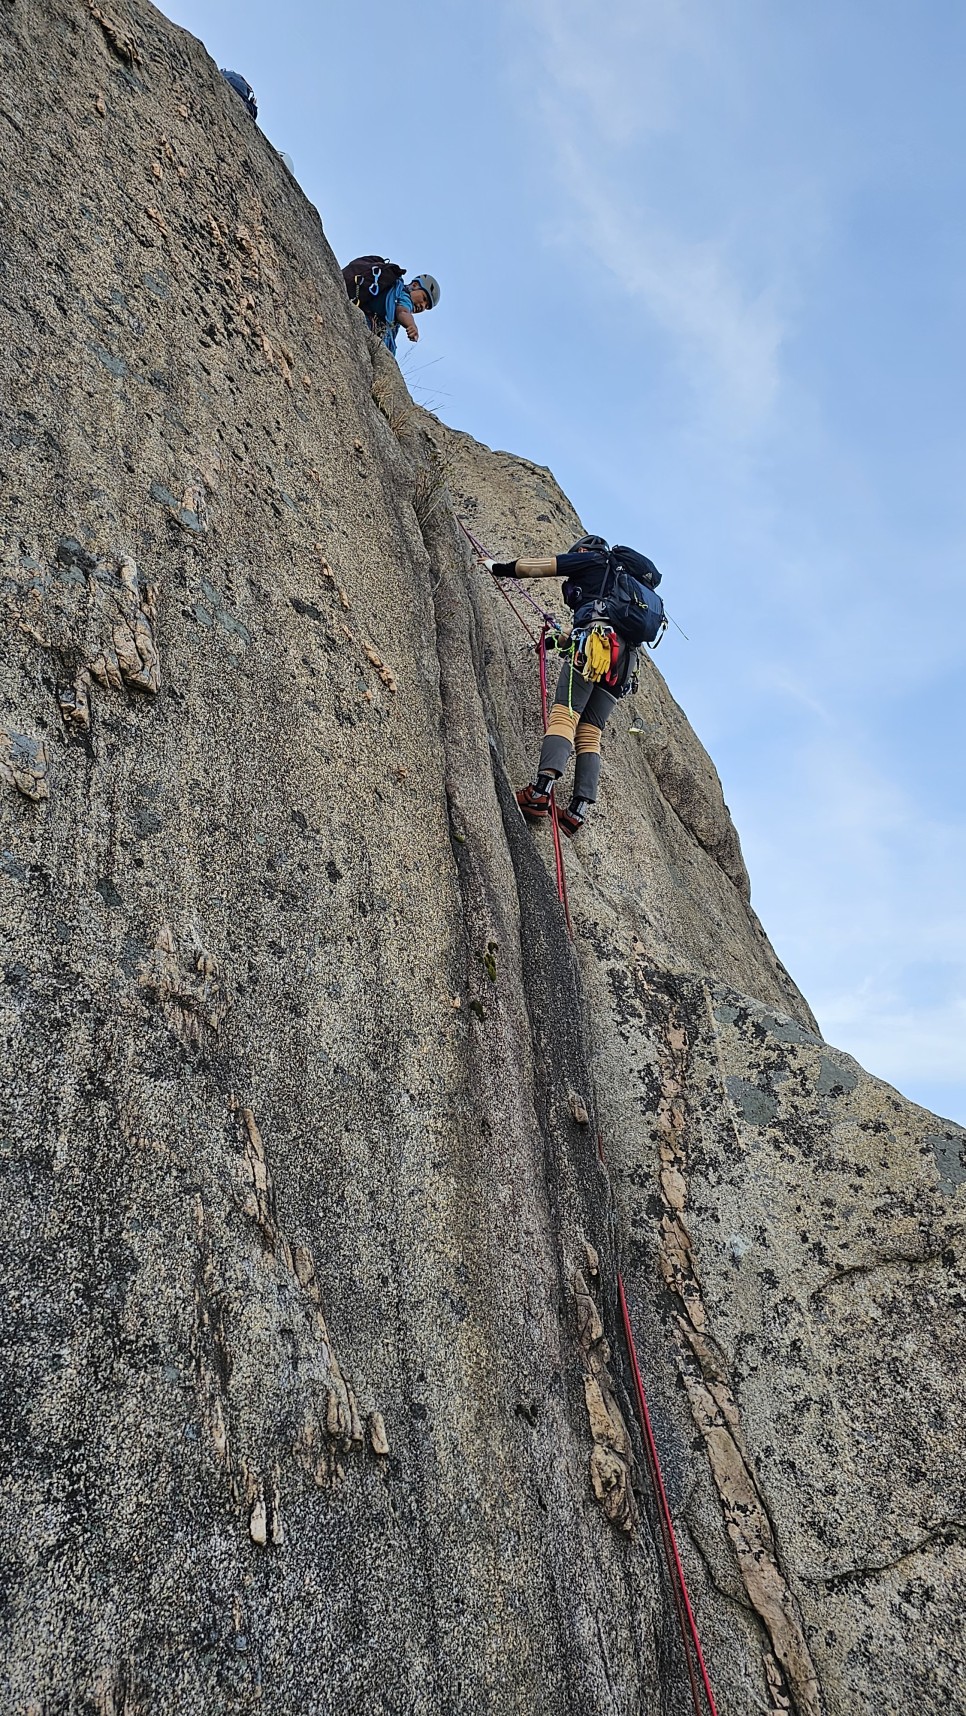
(612, 1459)
(378, 1440)
(258, 1521)
(323, 1147)
(24, 762)
(117, 33)
(182, 978)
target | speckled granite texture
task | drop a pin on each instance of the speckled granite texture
(314, 1396)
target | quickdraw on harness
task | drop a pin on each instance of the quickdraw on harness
(698, 1678)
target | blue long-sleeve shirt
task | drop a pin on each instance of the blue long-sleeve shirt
(398, 298)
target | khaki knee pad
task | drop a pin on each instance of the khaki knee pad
(562, 723)
(587, 739)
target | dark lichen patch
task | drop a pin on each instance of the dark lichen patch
(116, 365)
(307, 609)
(210, 609)
(11, 866)
(187, 516)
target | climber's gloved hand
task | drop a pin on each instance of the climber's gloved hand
(503, 568)
(558, 640)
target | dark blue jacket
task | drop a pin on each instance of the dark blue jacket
(242, 88)
(583, 575)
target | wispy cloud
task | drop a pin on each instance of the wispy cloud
(609, 92)
(617, 62)
(861, 894)
(897, 1042)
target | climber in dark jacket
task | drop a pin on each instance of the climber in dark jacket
(242, 88)
(594, 675)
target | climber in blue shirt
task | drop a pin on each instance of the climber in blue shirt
(379, 288)
(399, 309)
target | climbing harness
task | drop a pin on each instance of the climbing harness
(690, 1639)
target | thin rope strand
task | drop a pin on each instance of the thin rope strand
(645, 1421)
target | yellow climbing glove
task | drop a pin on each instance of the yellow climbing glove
(596, 655)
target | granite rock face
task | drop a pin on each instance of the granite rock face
(316, 1394)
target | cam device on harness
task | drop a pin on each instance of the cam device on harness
(369, 281)
(619, 593)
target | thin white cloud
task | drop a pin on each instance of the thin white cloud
(779, 681)
(913, 1044)
(617, 62)
(861, 894)
(609, 83)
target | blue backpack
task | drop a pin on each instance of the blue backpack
(625, 599)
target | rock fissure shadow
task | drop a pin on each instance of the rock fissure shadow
(555, 1002)
(678, 1013)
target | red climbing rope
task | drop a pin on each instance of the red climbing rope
(689, 1626)
(693, 1654)
(541, 613)
(554, 821)
(482, 554)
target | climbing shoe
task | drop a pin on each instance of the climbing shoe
(572, 819)
(534, 803)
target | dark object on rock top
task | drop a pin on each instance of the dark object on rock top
(242, 88)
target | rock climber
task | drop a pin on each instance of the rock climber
(600, 661)
(377, 286)
(242, 88)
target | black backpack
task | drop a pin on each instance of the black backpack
(369, 281)
(620, 594)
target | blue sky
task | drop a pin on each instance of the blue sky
(706, 260)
